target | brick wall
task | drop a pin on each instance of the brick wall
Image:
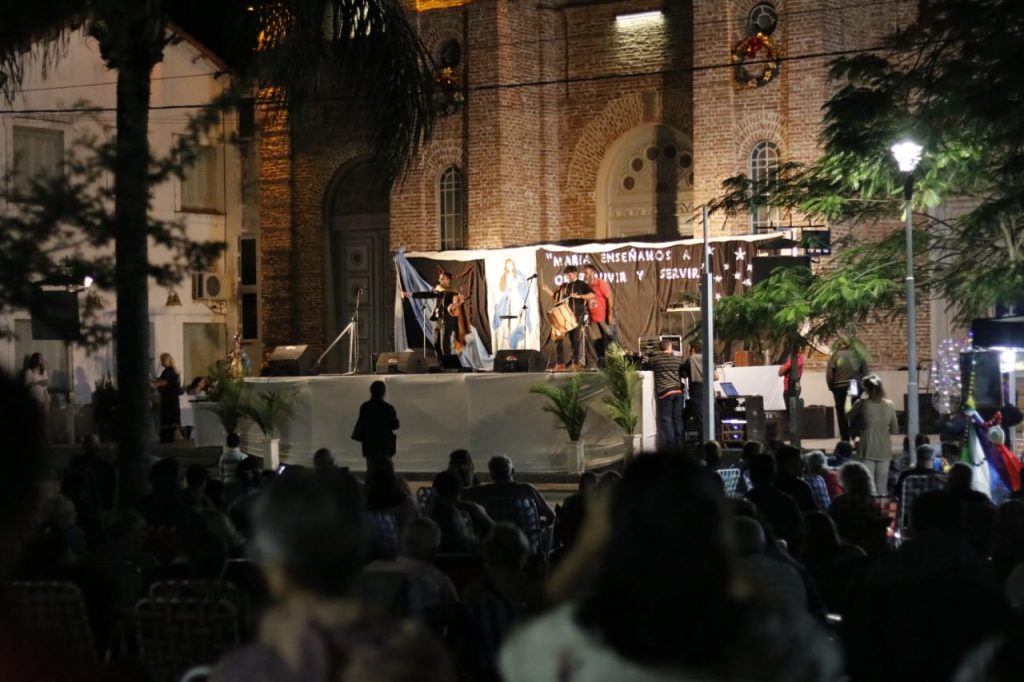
(550, 87)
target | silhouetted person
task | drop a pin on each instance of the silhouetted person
(788, 479)
(777, 508)
(899, 618)
(377, 424)
(310, 540)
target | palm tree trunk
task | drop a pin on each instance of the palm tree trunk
(136, 49)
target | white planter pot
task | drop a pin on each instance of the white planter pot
(630, 446)
(274, 453)
(575, 460)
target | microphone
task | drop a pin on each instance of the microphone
(533, 276)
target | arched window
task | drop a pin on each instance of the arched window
(764, 168)
(645, 185)
(452, 201)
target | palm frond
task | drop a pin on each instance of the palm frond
(32, 31)
(622, 382)
(268, 409)
(359, 58)
(567, 403)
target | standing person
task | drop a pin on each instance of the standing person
(377, 424)
(846, 367)
(168, 385)
(791, 391)
(577, 293)
(668, 386)
(449, 335)
(693, 372)
(873, 417)
(38, 381)
(602, 311)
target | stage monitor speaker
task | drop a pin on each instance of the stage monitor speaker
(291, 361)
(55, 316)
(405, 362)
(819, 421)
(764, 265)
(518, 361)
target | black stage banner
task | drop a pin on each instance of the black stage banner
(646, 280)
(468, 280)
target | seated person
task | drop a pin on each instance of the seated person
(501, 469)
(506, 551)
(231, 456)
(459, 520)
(925, 466)
(429, 588)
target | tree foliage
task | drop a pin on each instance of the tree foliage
(949, 82)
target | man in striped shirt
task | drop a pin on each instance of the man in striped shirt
(668, 386)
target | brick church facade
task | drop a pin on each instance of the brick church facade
(576, 120)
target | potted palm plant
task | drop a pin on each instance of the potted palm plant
(568, 403)
(225, 397)
(266, 410)
(622, 382)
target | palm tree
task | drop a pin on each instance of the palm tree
(292, 45)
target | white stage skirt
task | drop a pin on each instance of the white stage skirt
(487, 414)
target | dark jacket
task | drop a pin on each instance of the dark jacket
(376, 427)
(843, 367)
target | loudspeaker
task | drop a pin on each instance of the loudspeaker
(819, 422)
(291, 361)
(55, 316)
(406, 362)
(754, 409)
(518, 361)
(764, 265)
(988, 382)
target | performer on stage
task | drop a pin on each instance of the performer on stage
(577, 293)
(602, 311)
(513, 288)
(449, 315)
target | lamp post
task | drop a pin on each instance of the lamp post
(907, 154)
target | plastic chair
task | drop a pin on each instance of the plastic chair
(58, 609)
(521, 511)
(176, 635)
(913, 487)
(730, 479)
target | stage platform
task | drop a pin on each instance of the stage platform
(485, 413)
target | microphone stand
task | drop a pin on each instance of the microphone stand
(526, 302)
(353, 347)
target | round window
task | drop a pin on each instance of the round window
(762, 19)
(652, 153)
(450, 54)
(637, 164)
(669, 151)
(628, 182)
(685, 160)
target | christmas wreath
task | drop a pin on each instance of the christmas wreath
(762, 51)
(448, 97)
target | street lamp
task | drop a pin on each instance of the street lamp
(907, 154)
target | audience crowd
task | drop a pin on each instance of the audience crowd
(776, 565)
